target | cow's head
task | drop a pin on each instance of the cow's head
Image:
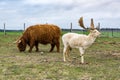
(21, 44)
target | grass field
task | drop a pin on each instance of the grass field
(103, 59)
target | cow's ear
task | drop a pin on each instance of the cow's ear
(22, 41)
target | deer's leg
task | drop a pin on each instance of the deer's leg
(65, 53)
(81, 54)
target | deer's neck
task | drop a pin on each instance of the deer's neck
(91, 37)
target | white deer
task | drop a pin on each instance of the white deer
(80, 41)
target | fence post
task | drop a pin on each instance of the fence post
(118, 30)
(112, 32)
(83, 31)
(71, 27)
(98, 27)
(24, 26)
(4, 29)
(107, 32)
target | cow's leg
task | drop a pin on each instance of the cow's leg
(36, 46)
(52, 47)
(31, 46)
(58, 46)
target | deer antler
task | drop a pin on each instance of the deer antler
(92, 24)
(81, 22)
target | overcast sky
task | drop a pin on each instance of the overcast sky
(60, 12)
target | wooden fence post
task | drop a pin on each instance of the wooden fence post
(98, 27)
(71, 27)
(112, 32)
(4, 29)
(24, 26)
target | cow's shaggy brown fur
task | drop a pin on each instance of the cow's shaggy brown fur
(42, 33)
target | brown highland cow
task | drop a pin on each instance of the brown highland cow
(42, 33)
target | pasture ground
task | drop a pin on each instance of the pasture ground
(102, 62)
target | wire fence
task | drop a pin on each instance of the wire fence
(106, 32)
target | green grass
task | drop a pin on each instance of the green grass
(102, 64)
(111, 34)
